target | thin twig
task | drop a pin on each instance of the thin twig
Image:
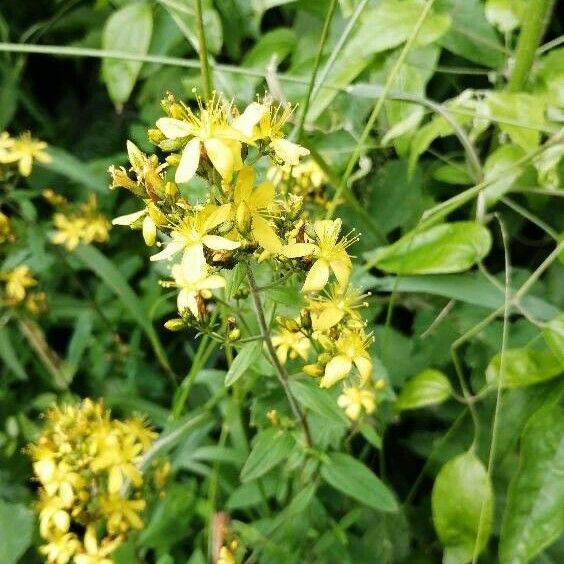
(281, 373)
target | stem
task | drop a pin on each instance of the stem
(324, 34)
(529, 40)
(281, 373)
(377, 108)
(203, 51)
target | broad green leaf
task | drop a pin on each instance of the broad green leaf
(534, 515)
(348, 475)
(462, 491)
(10, 356)
(427, 388)
(500, 165)
(470, 35)
(370, 434)
(470, 287)
(379, 28)
(455, 173)
(519, 115)
(246, 357)
(16, 528)
(271, 447)
(314, 398)
(128, 29)
(277, 43)
(108, 272)
(553, 334)
(523, 367)
(445, 248)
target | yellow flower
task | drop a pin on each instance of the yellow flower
(23, 150)
(137, 427)
(330, 254)
(256, 204)
(194, 278)
(61, 548)
(54, 518)
(58, 479)
(17, 282)
(351, 349)
(4, 228)
(210, 133)
(334, 304)
(265, 121)
(353, 400)
(227, 554)
(69, 231)
(122, 514)
(192, 234)
(293, 342)
(96, 553)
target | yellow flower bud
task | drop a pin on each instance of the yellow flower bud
(136, 157)
(173, 159)
(313, 370)
(156, 215)
(171, 191)
(175, 324)
(234, 334)
(243, 218)
(149, 231)
(155, 136)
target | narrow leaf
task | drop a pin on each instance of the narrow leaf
(271, 447)
(246, 357)
(318, 401)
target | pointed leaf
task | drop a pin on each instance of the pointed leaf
(427, 388)
(271, 447)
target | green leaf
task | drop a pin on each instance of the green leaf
(16, 528)
(380, 28)
(534, 515)
(370, 434)
(348, 475)
(523, 367)
(317, 400)
(449, 247)
(108, 272)
(271, 447)
(455, 173)
(553, 335)
(501, 165)
(461, 492)
(427, 388)
(519, 115)
(246, 357)
(129, 30)
(78, 342)
(10, 356)
(470, 35)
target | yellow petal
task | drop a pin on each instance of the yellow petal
(212, 282)
(221, 156)
(189, 161)
(364, 366)
(264, 233)
(169, 251)
(244, 185)
(297, 250)
(342, 270)
(337, 368)
(174, 128)
(218, 243)
(353, 411)
(328, 317)
(247, 121)
(149, 231)
(115, 480)
(316, 277)
(61, 520)
(187, 301)
(129, 218)
(217, 216)
(289, 152)
(263, 196)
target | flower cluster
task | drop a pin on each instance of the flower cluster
(21, 151)
(75, 224)
(16, 291)
(91, 486)
(242, 218)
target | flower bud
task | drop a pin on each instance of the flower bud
(157, 215)
(155, 136)
(305, 318)
(234, 335)
(175, 324)
(167, 102)
(173, 159)
(149, 231)
(313, 370)
(176, 111)
(120, 179)
(172, 144)
(171, 191)
(243, 218)
(291, 325)
(380, 384)
(272, 416)
(136, 157)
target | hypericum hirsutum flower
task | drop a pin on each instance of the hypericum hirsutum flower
(351, 348)
(17, 281)
(192, 234)
(22, 150)
(335, 304)
(207, 132)
(263, 121)
(195, 279)
(91, 486)
(292, 343)
(354, 400)
(251, 207)
(328, 252)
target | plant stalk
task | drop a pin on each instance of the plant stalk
(281, 373)
(203, 51)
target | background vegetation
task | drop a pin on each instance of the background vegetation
(439, 125)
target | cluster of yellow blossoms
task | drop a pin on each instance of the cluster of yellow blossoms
(22, 151)
(76, 224)
(242, 218)
(91, 486)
